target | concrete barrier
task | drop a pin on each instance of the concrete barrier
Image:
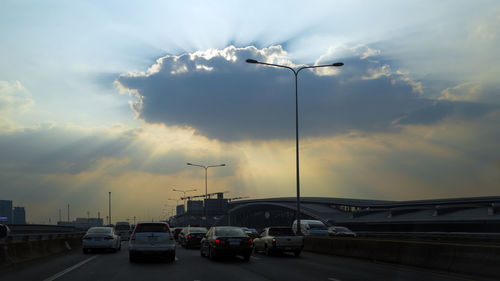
(475, 259)
(21, 251)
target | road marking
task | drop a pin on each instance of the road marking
(176, 259)
(54, 277)
(333, 279)
(255, 258)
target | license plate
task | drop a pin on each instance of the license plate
(234, 242)
(98, 239)
(153, 239)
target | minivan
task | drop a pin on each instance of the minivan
(311, 227)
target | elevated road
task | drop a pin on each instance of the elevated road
(76, 266)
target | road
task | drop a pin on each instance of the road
(190, 266)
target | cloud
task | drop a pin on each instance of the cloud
(220, 96)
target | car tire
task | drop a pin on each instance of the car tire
(211, 253)
(132, 257)
(297, 253)
(246, 257)
(201, 252)
(267, 251)
(85, 250)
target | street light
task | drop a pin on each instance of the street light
(296, 73)
(206, 188)
(176, 204)
(206, 168)
(184, 192)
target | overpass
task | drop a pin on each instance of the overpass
(473, 214)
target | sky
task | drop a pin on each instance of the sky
(117, 96)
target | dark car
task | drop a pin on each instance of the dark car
(191, 236)
(227, 241)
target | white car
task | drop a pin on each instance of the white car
(311, 227)
(152, 239)
(101, 238)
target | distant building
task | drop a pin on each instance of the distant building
(6, 211)
(19, 215)
(194, 208)
(179, 210)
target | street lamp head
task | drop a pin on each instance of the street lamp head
(251, 61)
(189, 164)
(338, 64)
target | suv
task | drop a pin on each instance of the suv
(152, 239)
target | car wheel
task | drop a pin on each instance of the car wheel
(211, 253)
(267, 251)
(85, 250)
(172, 257)
(201, 252)
(296, 253)
(246, 257)
(131, 257)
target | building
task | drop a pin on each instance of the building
(6, 211)
(19, 215)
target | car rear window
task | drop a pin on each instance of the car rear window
(230, 232)
(122, 227)
(281, 232)
(198, 230)
(151, 227)
(99, 230)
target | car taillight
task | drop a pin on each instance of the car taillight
(189, 236)
(217, 241)
(274, 242)
(250, 240)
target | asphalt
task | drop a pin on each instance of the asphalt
(190, 266)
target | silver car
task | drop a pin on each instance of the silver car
(152, 239)
(101, 238)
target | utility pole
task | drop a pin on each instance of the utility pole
(60, 218)
(68, 212)
(109, 205)
(134, 219)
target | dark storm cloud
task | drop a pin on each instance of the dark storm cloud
(223, 97)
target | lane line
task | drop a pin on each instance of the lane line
(333, 279)
(54, 277)
(256, 258)
(176, 259)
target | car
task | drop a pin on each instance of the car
(251, 232)
(177, 230)
(123, 229)
(228, 241)
(152, 239)
(104, 238)
(191, 236)
(341, 231)
(311, 227)
(278, 239)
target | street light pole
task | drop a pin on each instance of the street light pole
(184, 192)
(296, 73)
(206, 184)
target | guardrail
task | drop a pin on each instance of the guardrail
(466, 258)
(39, 236)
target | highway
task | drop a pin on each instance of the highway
(76, 266)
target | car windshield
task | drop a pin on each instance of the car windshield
(100, 230)
(151, 227)
(281, 232)
(230, 232)
(197, 230)
(122, 227)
